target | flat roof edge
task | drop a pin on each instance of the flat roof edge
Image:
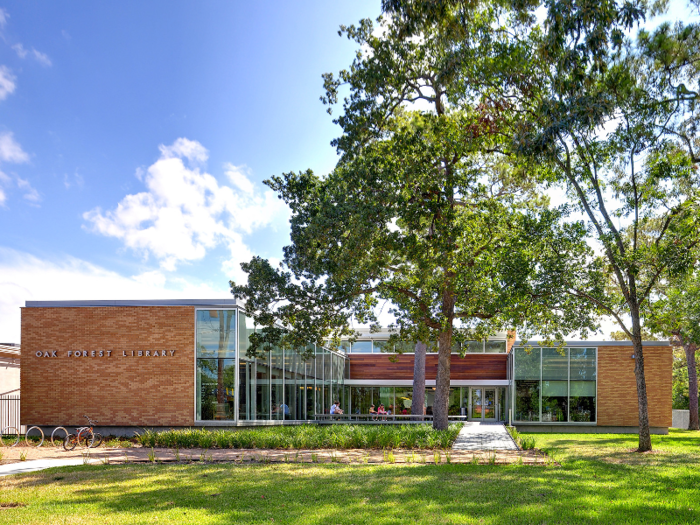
(598, 343)
(143, 302)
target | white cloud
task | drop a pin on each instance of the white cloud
(185, 212)
(30, 192)
(10, 150)
(75, 180)
(24, 277)
(185, 148)
(7, 82)
(40, 57)
(4, 15)
(19, 49)
(237, 177)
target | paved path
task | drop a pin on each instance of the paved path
(484, 436)
(37, 464)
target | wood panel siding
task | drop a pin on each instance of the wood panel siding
(471, 366)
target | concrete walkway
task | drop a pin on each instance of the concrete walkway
(484, 436)
(38, 464)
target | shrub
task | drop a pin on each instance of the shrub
(307, 437)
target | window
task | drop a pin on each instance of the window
(216, 365)
(555, 385)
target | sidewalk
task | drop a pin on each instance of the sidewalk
(484, 436)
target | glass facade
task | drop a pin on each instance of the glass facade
(486, 402)
(555, 385)
(279, 386)
(470, 347)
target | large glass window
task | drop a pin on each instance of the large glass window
(216, 351)
(381, 346)
(583, 384)
(215, 389)
(555, 375)
(474, 347)
(495, 347)
(280, 385)
(454, 402)
(362, 347)
(404, 400)
(553, 385)
(386, 398)
(279, 408)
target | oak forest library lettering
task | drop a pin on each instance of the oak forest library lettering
(181, 363)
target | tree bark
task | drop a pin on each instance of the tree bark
(418, 402)
(644, 433)
(690, 349)
(442, 383)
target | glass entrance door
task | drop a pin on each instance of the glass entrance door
(484, 404)
(489, 406)
(476, 412)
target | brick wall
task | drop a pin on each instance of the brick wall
(617, 387)
(115, 390)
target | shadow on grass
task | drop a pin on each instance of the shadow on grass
(323, 494)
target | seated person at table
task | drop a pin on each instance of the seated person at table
(335, 408)
(372, 411)
(381, 410)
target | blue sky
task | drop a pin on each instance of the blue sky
(135, 136)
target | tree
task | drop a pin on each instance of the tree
(615, 119)
(418, 213)
(677, 315)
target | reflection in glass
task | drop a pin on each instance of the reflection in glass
(362, 347)
(215, 389)
(489, 405)
(453, 407)
(527, 400)
(477, 402)
(474, 347)
(381, 346)
(582, 401)
(555, 365)
(386, 398)
(495, 347)
(404, 400)
(554, 401)
(583, 364)
(527, 363)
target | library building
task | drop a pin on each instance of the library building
(182, 363)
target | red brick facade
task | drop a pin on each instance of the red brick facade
(114, 389)
(617, 387)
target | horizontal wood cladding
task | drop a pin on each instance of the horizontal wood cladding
(471, 366)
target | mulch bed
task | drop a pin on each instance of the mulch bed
(349, 456)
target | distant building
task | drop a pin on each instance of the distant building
(9, 369)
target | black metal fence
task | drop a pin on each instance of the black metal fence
(9, 412)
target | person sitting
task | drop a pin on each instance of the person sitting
(381, 411)
(335, 408)
(373, 413)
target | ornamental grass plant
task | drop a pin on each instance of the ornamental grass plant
(307, 437)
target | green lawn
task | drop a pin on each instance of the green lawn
(600, 481)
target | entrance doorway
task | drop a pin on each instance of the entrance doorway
(484, 404)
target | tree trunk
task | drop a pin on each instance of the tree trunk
(644, 434)
(418, 403)
(692, 385)
(442, 384)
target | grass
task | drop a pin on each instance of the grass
(600, 480)
(308, 437)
